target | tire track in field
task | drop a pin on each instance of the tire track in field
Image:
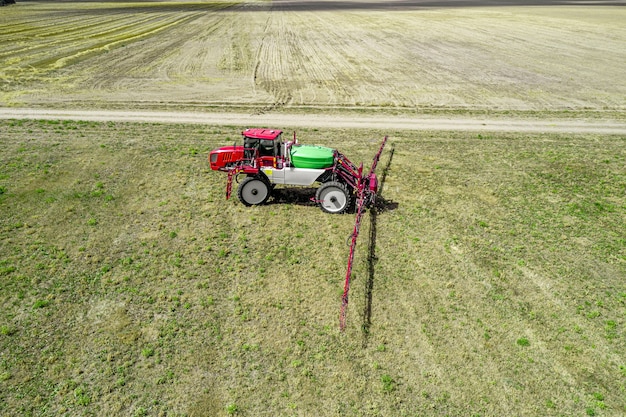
(434, 58)
(74, 39)
(185, 56)
(71, 36)
(370, 60)
(296, 68)
(338, 60)
(196, 58)
(271, 72)
(114, 41)
(40, 38)
(45, 28)
(141, 53)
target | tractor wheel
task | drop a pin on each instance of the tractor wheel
(253, 191)
(333, 197)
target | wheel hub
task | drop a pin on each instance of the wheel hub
(333, 197)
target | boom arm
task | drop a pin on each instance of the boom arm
(366, 195)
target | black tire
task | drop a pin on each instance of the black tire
(253, 191)
(333, 197)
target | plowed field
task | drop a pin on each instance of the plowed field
(325, 54)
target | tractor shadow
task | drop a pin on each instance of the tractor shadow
(300, 196)
(380, 206)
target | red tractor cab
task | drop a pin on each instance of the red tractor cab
(264, 146)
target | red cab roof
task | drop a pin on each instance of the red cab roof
(259, 133)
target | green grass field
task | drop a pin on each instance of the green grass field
(130, 287)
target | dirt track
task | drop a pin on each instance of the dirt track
(324, 121)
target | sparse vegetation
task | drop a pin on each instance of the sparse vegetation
(176, 301)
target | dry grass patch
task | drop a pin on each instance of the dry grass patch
(264, 56)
